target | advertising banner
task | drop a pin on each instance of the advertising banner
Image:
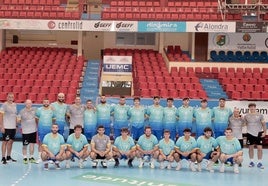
(225, 27)
(117, 65)
(156, 26)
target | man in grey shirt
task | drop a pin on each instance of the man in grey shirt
(76, 114)
(8, 125)
(29, 127)
(100, 148)
(256, 131)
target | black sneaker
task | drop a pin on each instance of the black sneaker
(104, 165)
(9, 159)
(130, 165)
(4, 161)
(116, 163)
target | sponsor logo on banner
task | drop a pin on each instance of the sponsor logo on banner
(250, 27)
(153, 26)
(65, 25)
(238, 41)
(101, 26)
(210, 27)
(129, 26)
(117, 65)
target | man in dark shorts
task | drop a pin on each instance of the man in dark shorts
(8, 125)
(29, 129)
(256, 128)
(100, 148)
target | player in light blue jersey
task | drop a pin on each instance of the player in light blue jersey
(186, 148)
(53, 148)
(104, 115)
(155, 114)
(185, 114)
(137, 116)
(166, 150)
(77, 147)
(203, 117)
(221, 116)
(90, 120)
(124, 148)
(208, 149)
(147, 148)
(231, 150)
(170, 118)
(60, 110)
(119, 112)
(45, 117)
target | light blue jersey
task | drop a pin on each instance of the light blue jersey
(104, 115)
(155, 117)
(206, 145)
(147, 143)
(77, 144)
(124, 145)
(53, 144)
(90, 120)
(166, 147)
(186, 145)
(229, 146)
(185, 115)
(120, 116)
(221, 117)
(203, 119)
(60, 111)
(45, 117)
(170, 121)
(136, 116)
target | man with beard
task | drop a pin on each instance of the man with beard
(155, 114)
(53, 148)
(137, 116)
(147, 149)
(120, 116)
(104, 115)
(60, 110)
(90, 120)
(28, 125)
(8, 117)
(221, 116)
(45, 117)
(170, 119)
(76, 114)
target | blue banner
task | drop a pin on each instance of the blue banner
(157, 26)
(117, 67)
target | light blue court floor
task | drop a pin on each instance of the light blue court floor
(19, 174)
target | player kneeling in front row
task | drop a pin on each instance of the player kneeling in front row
(124, 148)
(147, 148)
(207, 147)
(186, 148)
(77, 147)
(53, 148)
(166, 150)
(230, 150)
(100, 148)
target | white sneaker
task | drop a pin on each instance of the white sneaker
(178, 167)
(162, 166)
(199, 167)
(236, 170)
(81, 164)
(152, 165)
(169, 166)
(222, 167)
(67, 166)
(210, 166)
(191, 166)
(141, 164)
(39, 160)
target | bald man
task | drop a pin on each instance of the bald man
(60, 110)
(29, 130)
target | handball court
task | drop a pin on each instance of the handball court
(19, 174)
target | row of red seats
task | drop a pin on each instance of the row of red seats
(245, 87)
(170, 86)
(161, 16)
(32, 8)
(39, 15)
(244, 81)
(31, 2)
(254, 95)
